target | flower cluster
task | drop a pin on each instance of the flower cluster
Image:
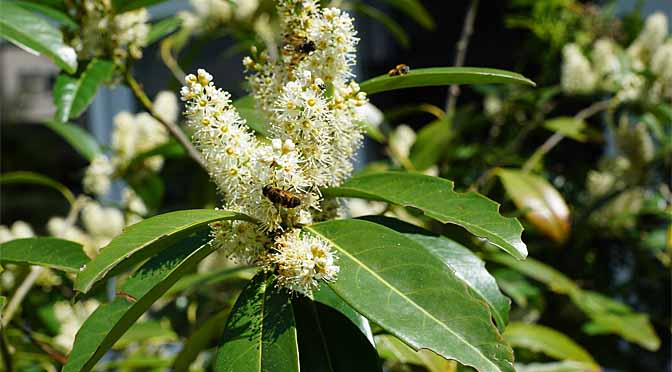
(70, 318)
(642, 71)
(312, 107)
(210, 14)
(132, 136)
(106, 34)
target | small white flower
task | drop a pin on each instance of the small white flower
(577, 74)
(401, 141)
(102, 222)
(70, 318)
(97, 177)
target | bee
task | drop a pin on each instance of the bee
(280, 196)
(400, 69)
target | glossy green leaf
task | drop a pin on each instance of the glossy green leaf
(516, 286)
(431, 142)
(471, 270)
(436, 198)
(546, 340)
(388, 22)
(254, 118)
(78, 138)
(633, 327)
(393, 350)
(568, 126)
(564, 366)
(146, 238)
(555, 280)
(329, 341)
(327, 296)
(36, 179)
(73, 95)
(51, 12)
(260, 334)
(35, 34)
(111, 320)
(415, 10)
(544, 207)
(439, 76)
(410, 294)
(163, 28)
(54, 253)
(121, 6)
(204, 279)
(208, 332)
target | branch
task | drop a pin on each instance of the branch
(172, 128)
(462, 45)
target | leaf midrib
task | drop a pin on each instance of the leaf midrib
(429, 315)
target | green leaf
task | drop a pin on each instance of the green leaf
(146, 238)
(431, 142)
(568, 127)
(437, 76)
(53, 13)
(208, 332)
(391, 349)
(150, 331)
(540, 272)
(436, 198)
(390, 24)
(327, 296)
(73, 95)
(543, 205)
(149, 187)
(633, 327)
(410, 294)
(54, 253)
(36, 179)
(565, 366)
(516, 286)
(170, 149)
(415, 10)
(260, 334)
(546, 340)
(121, 6)
(110, 321)
(471, 270)
(254, 118)
(36, 35)
(163, 28)
(78, 138)
(329, 341)
(203, 280)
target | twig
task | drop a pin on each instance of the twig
(172, 128)
(553, 140)
(462, 45)
(4, 351)
(54, 354)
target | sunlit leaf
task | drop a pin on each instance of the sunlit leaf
(111, 320)
(543, 205)
(439, 76)
(78, 138)
(51, 12)
(36, 35)
(163, 28)
(146, 238)
(121, 6)
(568, 126)
(634, 327)
(73, 95)
(260, 334)
(393, 350)
(410, 294)
(436, 198)
(54, 253)
(36, 179)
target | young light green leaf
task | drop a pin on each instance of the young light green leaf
(410, 294)
(327, 296)
(54, 253)
(471, 270)
(37, 179)
(329, 341)
(146, 238)
(51, 12)
(544, 207)
(78, 138)
(73, 95)
(634, 327)
(391, 349)
(439, 76)
(110, 321)
(260, 334)
(255, 119)
(415, 10)
(569, 127)
(546, 340)
(209, 331)
(555, 280)
(564, 366)
(436, 198)
(163, 28)
(36, 35)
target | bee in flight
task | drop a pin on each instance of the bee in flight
(280, 196)
(400, 69)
